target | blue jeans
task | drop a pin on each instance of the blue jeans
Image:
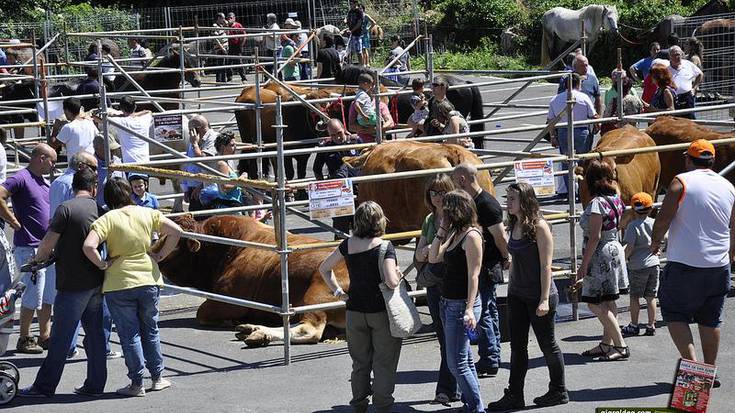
(70, 308)
(106, 325)
(446, 383)
(135, 312)
(459, 352)
(582, 144)
(488, 325)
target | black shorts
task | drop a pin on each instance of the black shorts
(690, 294)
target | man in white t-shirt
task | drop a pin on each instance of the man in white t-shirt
(687, 77)
(77, 135)
(134, 149)
(699, 214)
(201, 143)
(583, 109)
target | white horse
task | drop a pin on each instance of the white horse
(562, 26)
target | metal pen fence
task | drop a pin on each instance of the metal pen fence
(717, 35)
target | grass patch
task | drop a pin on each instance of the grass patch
(485, 57)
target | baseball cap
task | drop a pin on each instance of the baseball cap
(289, 22)
(701, 149)
(641, 201)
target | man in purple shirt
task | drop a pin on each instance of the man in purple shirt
(29, 191)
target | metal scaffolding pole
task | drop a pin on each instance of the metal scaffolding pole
(279, 210)
(258, 120)
(570, 187)
(103, 111)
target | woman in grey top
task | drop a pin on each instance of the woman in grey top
(532, 300)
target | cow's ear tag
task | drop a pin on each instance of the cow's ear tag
(194, 245)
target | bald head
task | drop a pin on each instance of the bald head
(581, 64)
(465, 177)
(198, 122)
(82, 160)
(43, 159)
(336, 130)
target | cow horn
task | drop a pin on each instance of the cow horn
(194, 245)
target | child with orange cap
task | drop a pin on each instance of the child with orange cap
(643, 266)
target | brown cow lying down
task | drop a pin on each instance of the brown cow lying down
(403, 200)
(635, 173)
(667, 130)
(252, 274)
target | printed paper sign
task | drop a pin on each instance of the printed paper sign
(168, 128)
(692, 386)
(539, 173)
(329, 199)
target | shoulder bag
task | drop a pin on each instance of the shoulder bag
(403, 316)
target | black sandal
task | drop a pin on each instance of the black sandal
(617, 353)
(599, 350)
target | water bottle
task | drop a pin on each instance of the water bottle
(471, 332)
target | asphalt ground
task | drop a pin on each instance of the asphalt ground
(212, 371)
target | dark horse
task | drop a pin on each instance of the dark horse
(467, 100)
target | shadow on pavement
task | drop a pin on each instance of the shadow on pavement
(578, 338)
(614, 393)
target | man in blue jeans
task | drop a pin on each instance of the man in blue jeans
(495, 258)
(79, 292)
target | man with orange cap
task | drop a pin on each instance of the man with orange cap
(698, 213)
(643, 266)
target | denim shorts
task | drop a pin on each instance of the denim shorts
(41, 286)
(355, 44)
(690, 294)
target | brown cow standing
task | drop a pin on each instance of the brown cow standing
(667, 130)
(403, 199)
(635, 173)
(253, 274)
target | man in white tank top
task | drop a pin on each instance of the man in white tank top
(698, 213)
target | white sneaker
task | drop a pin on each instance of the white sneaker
(131, 390)
(160, 384)
(114, 355)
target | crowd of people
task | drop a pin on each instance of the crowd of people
(100, 232)
(670, 82)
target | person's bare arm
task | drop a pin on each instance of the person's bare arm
(91, 243)
(172, 232)
(327, 273)
(697, 81)
(595, 229)
(472, 245)
(545, 243)
(501, 241)
(5, 212)
(421, 254)
(666, 214)
(392, 274)
(47, 245)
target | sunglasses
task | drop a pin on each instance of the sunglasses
(436, 193)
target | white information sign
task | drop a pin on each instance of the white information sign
(168, 128)
(329, 199)
(539, 173)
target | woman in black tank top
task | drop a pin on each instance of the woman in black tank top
(532, 300)
(369, 342)
(458, 242)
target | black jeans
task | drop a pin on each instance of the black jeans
(685, 101)
(522, 314)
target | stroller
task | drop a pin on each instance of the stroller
(9, 374)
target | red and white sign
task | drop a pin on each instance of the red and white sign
(329, 199)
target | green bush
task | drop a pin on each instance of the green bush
(469, 21)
